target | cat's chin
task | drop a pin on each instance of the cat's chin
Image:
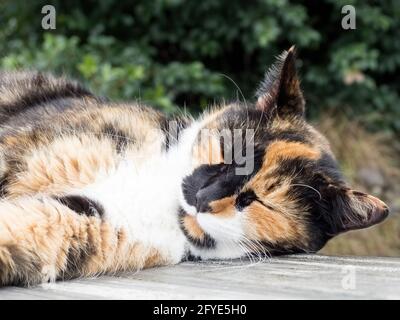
(208, 246)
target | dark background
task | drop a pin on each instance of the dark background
(177, 54)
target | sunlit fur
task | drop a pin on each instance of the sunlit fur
(90, 186)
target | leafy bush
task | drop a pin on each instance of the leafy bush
(191, 53)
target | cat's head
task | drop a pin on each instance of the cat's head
(265, 181)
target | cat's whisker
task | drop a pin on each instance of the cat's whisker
(241, 93)
(252, 253)
(256, 248)
(265, 252)
(307, 186)
(236, 85)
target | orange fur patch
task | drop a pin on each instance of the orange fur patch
(44, 240)
(288, 150)
(192, 227)
(274, 154)
(69, 162)
(268, 225)
(207, 151)
(223, 207)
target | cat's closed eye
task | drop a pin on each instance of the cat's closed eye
(244, 199)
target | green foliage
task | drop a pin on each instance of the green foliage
(177, 53)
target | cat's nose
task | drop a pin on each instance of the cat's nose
(202, 202)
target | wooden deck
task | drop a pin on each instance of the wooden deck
(294, 277)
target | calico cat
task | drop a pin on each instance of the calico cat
(90, 187)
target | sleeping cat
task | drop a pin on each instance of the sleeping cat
(91, 187)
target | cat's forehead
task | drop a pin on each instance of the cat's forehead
(276, 143)
(264, 128)
(240, 115)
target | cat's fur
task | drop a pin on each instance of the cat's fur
(91, 187)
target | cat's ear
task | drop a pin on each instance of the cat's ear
(357, 210)
(280, 90)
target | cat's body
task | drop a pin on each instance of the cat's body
(73, 147)
(93, 187)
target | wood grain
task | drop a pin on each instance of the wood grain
(291, 277)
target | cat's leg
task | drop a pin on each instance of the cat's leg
(43, 240)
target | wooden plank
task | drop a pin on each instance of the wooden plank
(291, 277)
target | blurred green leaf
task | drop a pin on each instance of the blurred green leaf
(177, 53)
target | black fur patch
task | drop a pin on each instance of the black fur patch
(290, 136)
(29, 267)
(280, 91)
(117, 135)
(245, 199)
(3, 186)
(78, 257)
(82, 205)
(211, 182)
(191, 257)
(293, 167)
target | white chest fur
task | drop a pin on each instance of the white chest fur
(144, 198)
